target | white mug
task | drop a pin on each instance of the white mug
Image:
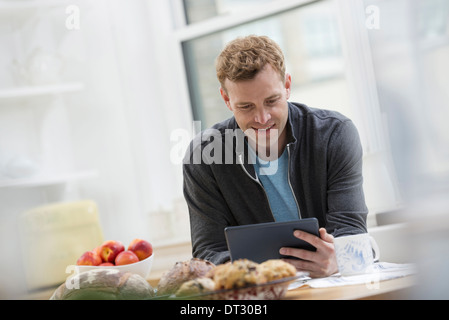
(355, 253)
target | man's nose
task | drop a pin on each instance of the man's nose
(262, 116)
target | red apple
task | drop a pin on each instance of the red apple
(110, 249)
(107, 264)
(97, 250)
(89, 258)
(142, 248)
(126, 257)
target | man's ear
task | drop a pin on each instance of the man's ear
(288, 84)
(225, 97)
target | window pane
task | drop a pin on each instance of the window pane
(432, 19)
(412, 69)
(310, 40)
(199, 10)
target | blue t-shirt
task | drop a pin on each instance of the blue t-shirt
(274, 177)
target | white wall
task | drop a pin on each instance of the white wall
(119, 125)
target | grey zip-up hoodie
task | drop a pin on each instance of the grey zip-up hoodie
(325, 174)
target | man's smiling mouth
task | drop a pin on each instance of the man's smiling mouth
(264, 129)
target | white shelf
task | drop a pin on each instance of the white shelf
(33, 91)
(48, 180)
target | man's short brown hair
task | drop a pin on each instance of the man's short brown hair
(243, 58)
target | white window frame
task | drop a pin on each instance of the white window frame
(186, 32)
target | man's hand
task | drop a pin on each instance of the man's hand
(319, 263)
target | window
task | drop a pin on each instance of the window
(200, 10)
(410, 57)
(309, 37)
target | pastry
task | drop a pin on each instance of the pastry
(196, 286)
(237, 274)
(276, 269)
(181, 272)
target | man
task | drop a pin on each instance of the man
(317, 156)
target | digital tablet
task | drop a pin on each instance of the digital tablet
(261, 242)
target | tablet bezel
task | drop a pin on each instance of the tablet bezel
(262, 241)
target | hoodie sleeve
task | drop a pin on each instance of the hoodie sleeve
(208, 211)
(347, 210)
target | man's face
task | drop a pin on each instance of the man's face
(260, 108)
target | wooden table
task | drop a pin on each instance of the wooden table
(395, 289)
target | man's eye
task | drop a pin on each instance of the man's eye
(272, 101)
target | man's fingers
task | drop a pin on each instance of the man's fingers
(298, 253)
(326, 236)
(300, 265)
(311, 268)
(318, 263)
(308, 237)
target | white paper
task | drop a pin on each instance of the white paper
(381, 271)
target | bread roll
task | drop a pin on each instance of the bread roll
(181, 272)
(195, 287)
(105, 284)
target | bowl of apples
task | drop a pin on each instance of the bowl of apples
(112, 254)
